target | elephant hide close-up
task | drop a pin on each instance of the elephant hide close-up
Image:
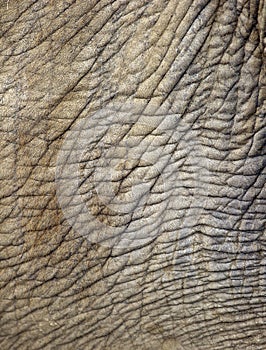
(133, 194)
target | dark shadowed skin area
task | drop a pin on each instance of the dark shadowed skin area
(202, 61)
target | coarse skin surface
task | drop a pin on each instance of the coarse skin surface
(202, 60)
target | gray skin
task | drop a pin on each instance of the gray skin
(199, 283)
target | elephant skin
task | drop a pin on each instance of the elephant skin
(171, 94)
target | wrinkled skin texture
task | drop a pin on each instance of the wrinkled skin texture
(202, 60)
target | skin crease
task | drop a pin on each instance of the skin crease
(200, 283)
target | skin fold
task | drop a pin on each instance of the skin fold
(176, 90)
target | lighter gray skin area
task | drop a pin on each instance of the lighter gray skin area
(200, 283)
